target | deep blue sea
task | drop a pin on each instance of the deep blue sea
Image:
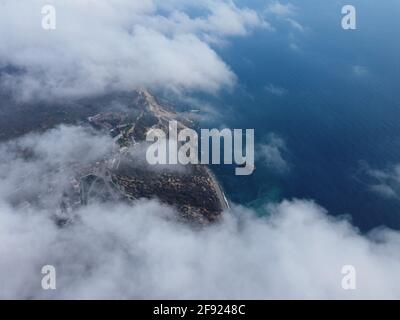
(340, 110)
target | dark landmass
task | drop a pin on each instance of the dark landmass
(193, 190)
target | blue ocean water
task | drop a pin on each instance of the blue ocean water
(339, 109)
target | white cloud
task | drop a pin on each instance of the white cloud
(276, 90)
(117, 45)
(121, 252)
(295, 24)
(384, 182)
(384, 190)
(38, 167)
(116, 251)
(285, 12)
(271, 153)
(281, 10)
(294, 47)
(360, 70)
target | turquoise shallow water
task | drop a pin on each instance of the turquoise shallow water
(339, 112)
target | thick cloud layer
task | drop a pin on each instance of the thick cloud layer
(38, 167)
(100, 46)
(116, 251)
